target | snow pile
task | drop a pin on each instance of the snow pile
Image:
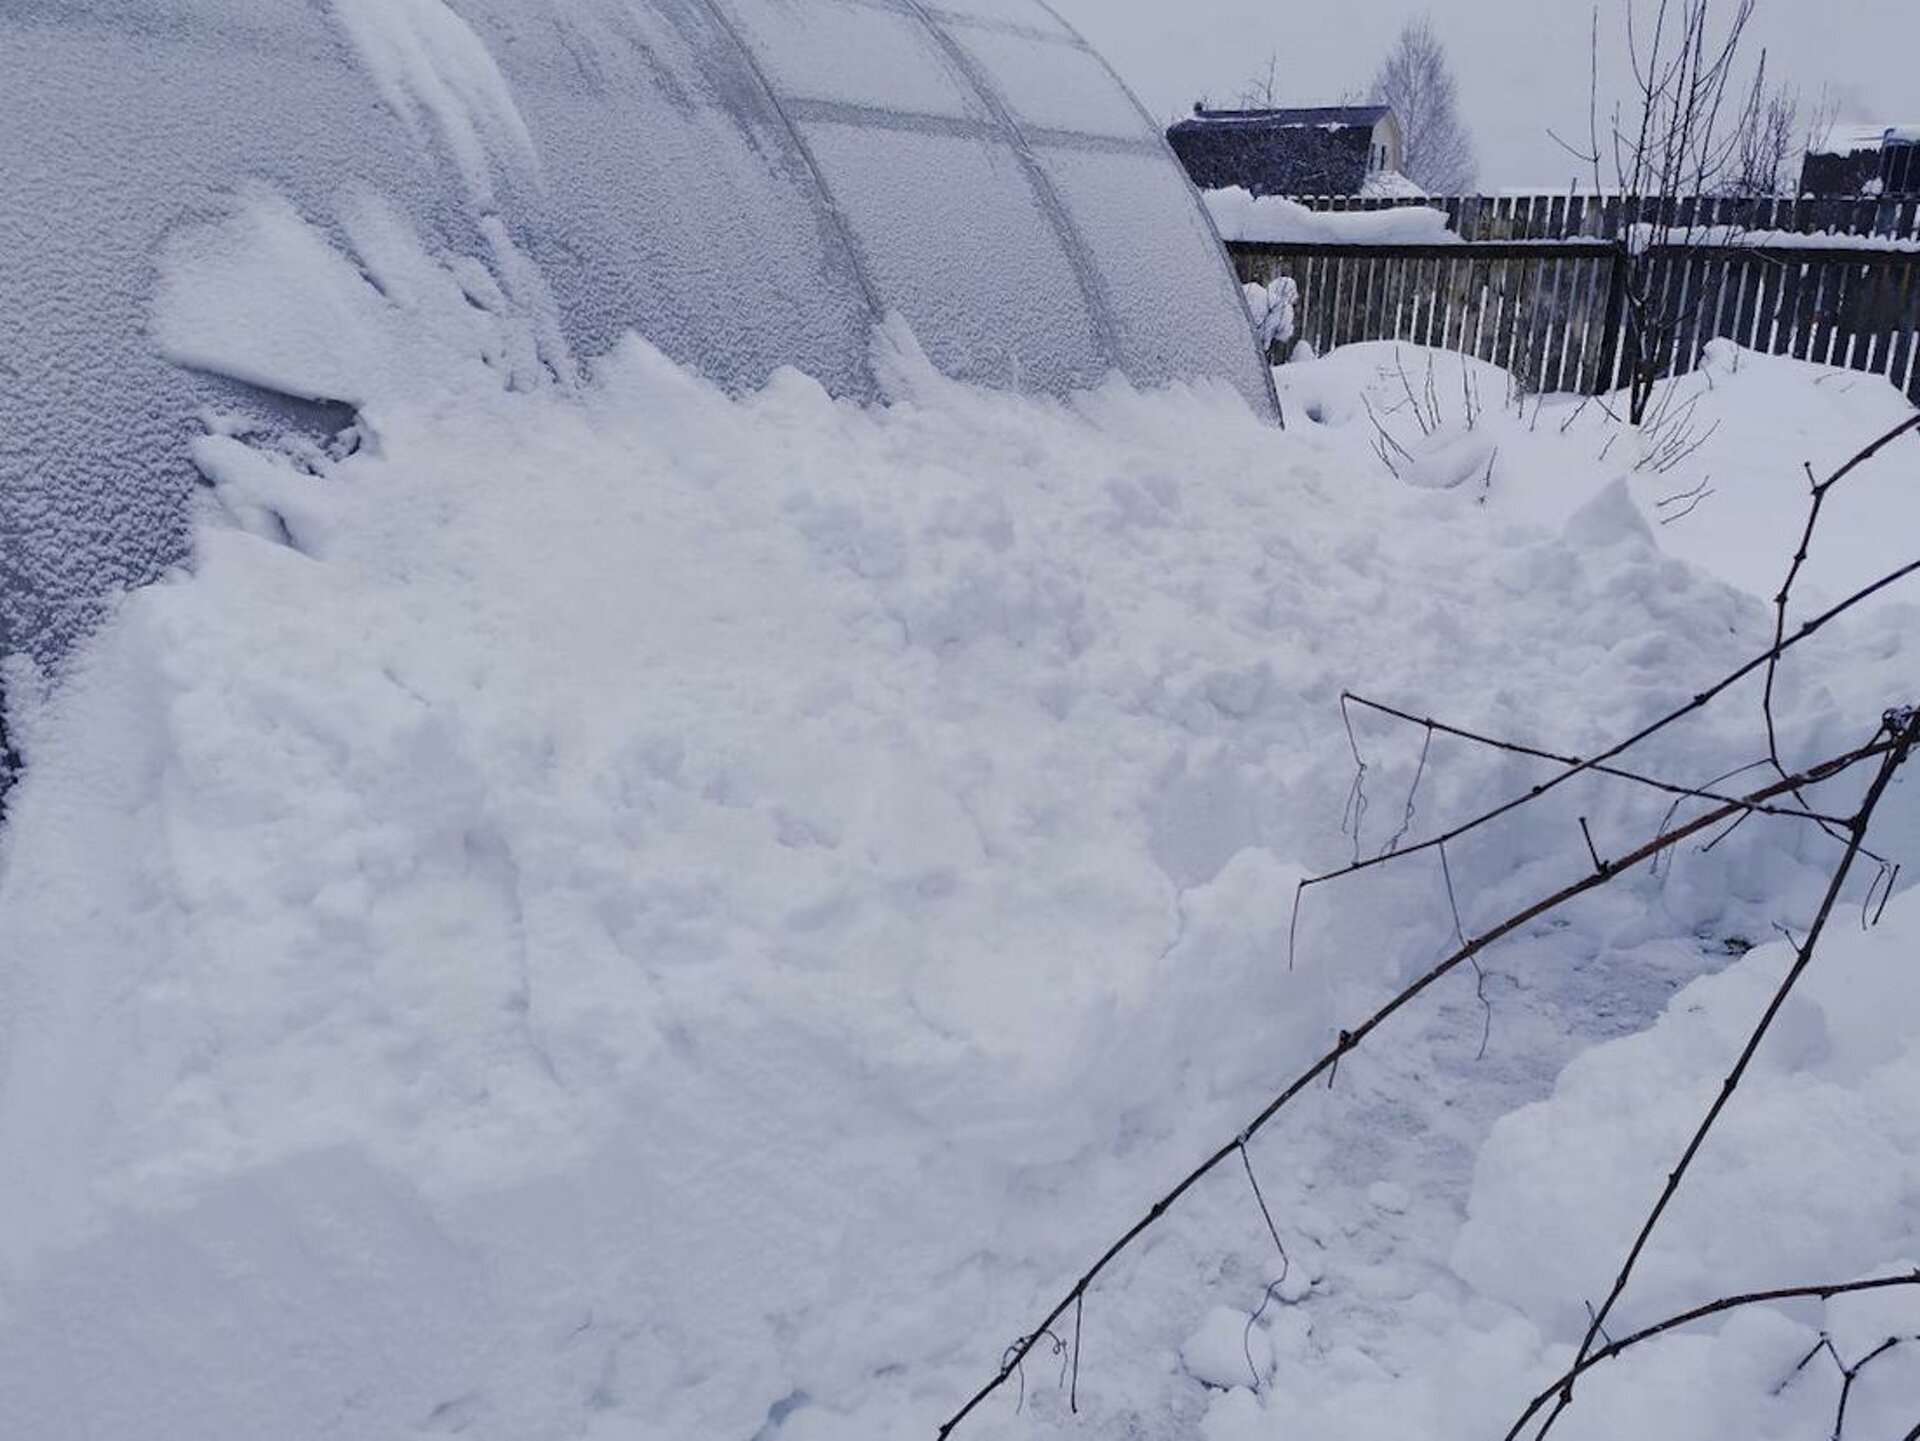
(1814, 1174)
(1730, 506)
(1274, 220)
(1705, 473)
(639, 913)
(1228, 1351)
(1390, 185)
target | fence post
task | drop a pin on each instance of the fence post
(1613, 334)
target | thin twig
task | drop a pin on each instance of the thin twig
(1413, 792)
(1886, 875)
(1851, 1374)
(1700, 1313)
(1593, 851)
(1699, 702)
(1286, 1262)
(1691, 499)
(1073, 1394)
(1699, 793)
(1286, 1269)
(1385, 439)
(1356, 811)
(1821, 489)
(1479, 971)
(1246, 1336)
(1848, 1374)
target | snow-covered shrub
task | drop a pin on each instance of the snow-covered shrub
(1272, 307)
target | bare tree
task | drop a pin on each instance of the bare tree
(1763, 158)
(1258, 93)
(1676, 136)
(1672, 136)
(1416, 81)
(1820, 121)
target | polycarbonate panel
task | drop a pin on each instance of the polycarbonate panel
(686, 211)
(1021, 13)
(848, 52)
(1172, 317)
(119, 124)
(1051, 86)
(744, 183)
(921, 204)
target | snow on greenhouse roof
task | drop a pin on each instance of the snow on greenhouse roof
(287, 212)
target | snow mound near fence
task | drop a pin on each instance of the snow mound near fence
(1242, 216)
(1719, 473)
(652, 914)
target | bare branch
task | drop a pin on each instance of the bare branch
(1566, 1379)
(1905, 734)
(1699, 702)
(1351, 1040)
(1520, 749)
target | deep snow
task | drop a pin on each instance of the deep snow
(637, 913)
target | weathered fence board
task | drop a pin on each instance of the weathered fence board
(1555, 313)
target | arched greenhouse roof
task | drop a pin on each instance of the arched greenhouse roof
(745, 183)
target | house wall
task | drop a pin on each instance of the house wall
(1900, 169)
(1387, 138)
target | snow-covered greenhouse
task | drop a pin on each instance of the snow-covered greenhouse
(270, 216)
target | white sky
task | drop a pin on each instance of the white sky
(1522, 64)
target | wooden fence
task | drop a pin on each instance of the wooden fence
(1571, 217)
(1554, 312)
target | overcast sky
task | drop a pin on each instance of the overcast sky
(1522, 64)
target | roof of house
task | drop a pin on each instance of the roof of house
(1302, 116)
(1321, 151)
(1845, 139)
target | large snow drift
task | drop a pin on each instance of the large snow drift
(641, 913)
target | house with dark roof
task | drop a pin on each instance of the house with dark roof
(1320, 150)
(1864, 160)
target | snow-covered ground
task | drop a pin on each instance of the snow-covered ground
(642, 914)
